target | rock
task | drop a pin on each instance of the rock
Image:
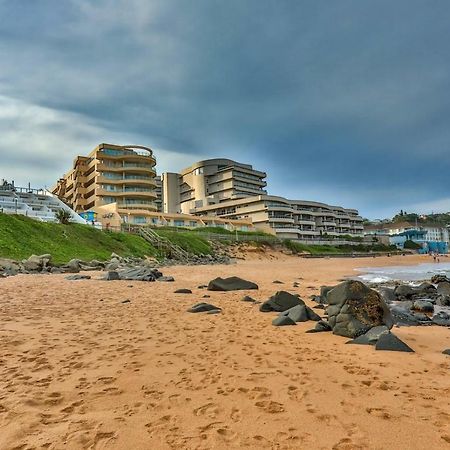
(126, 301)
(436, 279)
(354, 309)
(443, 288)
(37, 263)
(371, 337)
(78, 277)
(202, 286)
(390, 342)
(387, 294)
(297, 313)
(247, 298)
(281, 301)
(183, 291)
(446, 352)
(202, 307)
(230, 284)
(112, 276)
(277, 282)
(422, 317)
(295, 284)
(112, 265)
(9, 267)
(442, 319)
(206, 296)
(214, 311)
(166, 279)
(443, 300)
(324, 293)
(320, 327)
(423, 306)
(282, 321)
(73, 266)
(319, 307)
(404, 291)
(403, 317)
(425, 288)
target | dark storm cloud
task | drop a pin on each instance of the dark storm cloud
(339, 101)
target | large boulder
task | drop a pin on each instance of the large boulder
(354, 309)
(281, 301)
(443, 300)
(423, 306)
(231, 284)
(387, 294)
(73, 266)
(9, 267)
(403, 317)
(282, 321)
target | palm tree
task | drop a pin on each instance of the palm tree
(63, 216)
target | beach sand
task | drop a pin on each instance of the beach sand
(82, 370)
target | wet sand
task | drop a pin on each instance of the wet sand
(82, 370)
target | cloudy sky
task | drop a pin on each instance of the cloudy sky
(341, 101)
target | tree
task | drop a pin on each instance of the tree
(63, 216)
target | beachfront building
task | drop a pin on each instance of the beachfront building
(159, 194)
(111, 174)
(228, 189)
(210, 182)
(38, 204)
(290, 219)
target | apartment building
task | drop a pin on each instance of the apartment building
(210, 182)
(290, 219)
(111, 174)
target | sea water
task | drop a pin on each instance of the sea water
(413, 273)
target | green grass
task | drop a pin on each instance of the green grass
(297, 247)
(21, 236)
(187, 240)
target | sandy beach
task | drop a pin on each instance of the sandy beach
(80, 369)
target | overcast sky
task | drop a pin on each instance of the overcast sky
(340, 101)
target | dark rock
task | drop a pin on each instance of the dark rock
(231, 284)
(443, 288)
(320, 327)
(112, 276)
(183, 291)
(354, 309)
(446, 352)
(390, 342)
(202, 307)
(387, 294)
(166, 279)
(443, 300)
(126, 301)
(214, 311)
(202, 286)
(249, 299)
(282, 320)
(442, 319)
(404, 291)
(78, 277)
(423, 306)
(324, 294)
(421, 317)
(297, 313)
(319, 307)
(277, 282)
(425, 288)
(206, 296)
(436, 279)
(403, 317)
(371, 337)
(281, 301)
(295, 284)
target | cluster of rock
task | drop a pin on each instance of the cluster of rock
(128, 268)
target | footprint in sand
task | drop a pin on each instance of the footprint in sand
(270, 406)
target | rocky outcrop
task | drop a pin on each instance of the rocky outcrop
(203, 307)
(353, 309)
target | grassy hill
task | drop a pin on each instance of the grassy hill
(21, 236)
